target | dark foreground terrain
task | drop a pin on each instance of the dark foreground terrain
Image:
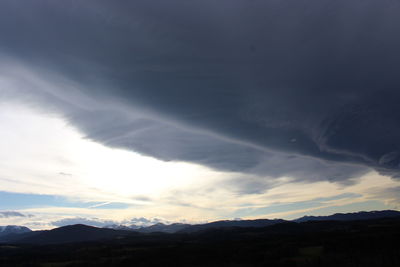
(313, 243)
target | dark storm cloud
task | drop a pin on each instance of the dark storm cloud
(295, 88)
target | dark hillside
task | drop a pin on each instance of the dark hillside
(312, 244)
(71, 234)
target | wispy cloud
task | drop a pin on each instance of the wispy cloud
(8, 214)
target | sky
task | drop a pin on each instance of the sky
(119, 112)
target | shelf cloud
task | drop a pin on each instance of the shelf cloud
(305, 89)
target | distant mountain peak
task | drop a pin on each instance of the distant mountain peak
(353, 216)
(13, 229)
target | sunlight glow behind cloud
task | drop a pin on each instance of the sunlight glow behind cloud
(55, 155)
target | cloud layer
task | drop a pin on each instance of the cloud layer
(9, 214)
(138, 222)
(306, 89)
